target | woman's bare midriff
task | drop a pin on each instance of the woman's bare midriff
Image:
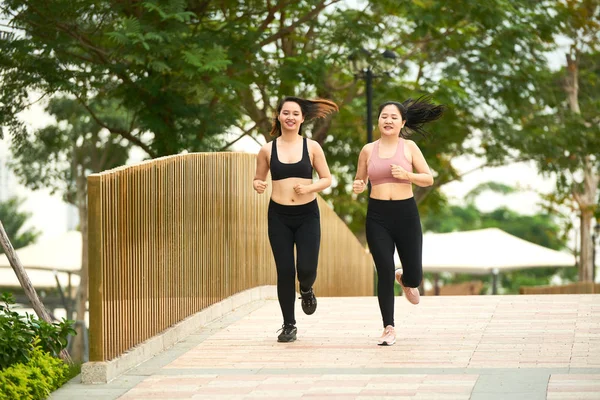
(392, 191)
(284, 193)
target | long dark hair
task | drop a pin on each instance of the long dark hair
(416, 113)
(311, 109)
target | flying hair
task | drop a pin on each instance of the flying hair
(416, 113)
(311, 109)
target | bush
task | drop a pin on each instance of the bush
(36, 379)
(18, 332)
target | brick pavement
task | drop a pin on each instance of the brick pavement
(463, 347)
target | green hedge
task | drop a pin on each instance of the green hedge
(18, 334)
(36, 379)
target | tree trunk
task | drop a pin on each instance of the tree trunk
(586, 266)
(586, 201)
(82, 291)
(260, 117)
(25, 282)
(572, 83)
(586, 197)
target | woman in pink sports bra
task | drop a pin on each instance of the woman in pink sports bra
(392, 164)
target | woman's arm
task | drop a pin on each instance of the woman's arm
(423, 177)
(262, 169)
(361, 178)
(320, 165)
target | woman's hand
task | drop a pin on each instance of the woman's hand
(358, 186)
(260, 186)
(301, 189)
(399, 173)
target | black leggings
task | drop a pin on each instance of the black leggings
(289, 225)
(394, 223)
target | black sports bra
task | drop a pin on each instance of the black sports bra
(301, 169)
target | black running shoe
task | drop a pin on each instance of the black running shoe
(309, 301)
(288, 333)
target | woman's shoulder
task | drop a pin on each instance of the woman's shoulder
(410, 144)
(367, 148)
(313, 144)
(266, 148)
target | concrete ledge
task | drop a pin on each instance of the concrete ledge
(105, 371)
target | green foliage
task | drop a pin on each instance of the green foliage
(74, 370)
(557, 139)
(489, 186)
(19, 333)
(183, 73)
(158, 62)
(61, 155)
(513, 280)
(547, 128)
(510, 282)
(475, 58)
(13, 221)
(558, 126)
(539, 228)
(36, 378)
(187, 71)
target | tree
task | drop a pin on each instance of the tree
(472, 57)
(540, 228)
(559, 126)
(161, 67)
(151, 60)
(61, 156)
(185, 72)
(14, 221)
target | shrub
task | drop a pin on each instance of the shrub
(17, 334)
(36, 379)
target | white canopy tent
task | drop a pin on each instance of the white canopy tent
(60, 256)
(486, 251)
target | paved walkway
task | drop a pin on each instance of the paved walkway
(470, 347)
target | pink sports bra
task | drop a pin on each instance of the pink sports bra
(380, 169)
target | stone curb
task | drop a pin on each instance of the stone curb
(99, 372)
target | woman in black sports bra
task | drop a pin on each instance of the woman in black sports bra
(294, 217)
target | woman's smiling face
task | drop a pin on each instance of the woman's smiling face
(290, 116)
(390, 121)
